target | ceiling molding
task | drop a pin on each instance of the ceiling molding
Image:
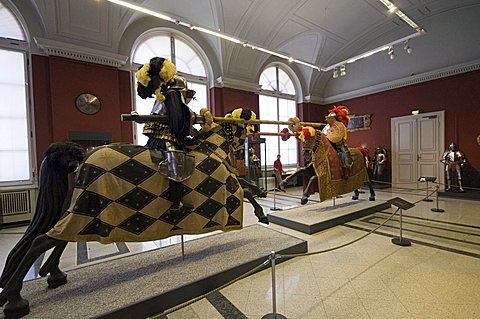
(71, 51)
(313, 99)
(237, 84)
(407, 81)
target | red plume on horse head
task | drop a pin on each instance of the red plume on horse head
(342, 113)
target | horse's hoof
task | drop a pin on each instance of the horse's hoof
(303, 201)
(57, 280)
(16, 308)
(354, 197)
(372, 199)
(263, 220)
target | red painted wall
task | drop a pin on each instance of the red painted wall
(311, 112)
(58, 81)
(225, 100)
(56, 84)
(458, 96)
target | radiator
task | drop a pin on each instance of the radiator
(17, 206)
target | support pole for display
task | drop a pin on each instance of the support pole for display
(401, 204)
(426, 199)
(275, 208)
(274, 314)
(183, 247)
(400, 241)
(427, 179)
(436, 209)
(333, 200)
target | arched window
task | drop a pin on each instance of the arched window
(277, 101)
(16, 139)
(188, 63)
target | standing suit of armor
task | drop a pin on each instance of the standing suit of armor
(453, 159)
(380, 161)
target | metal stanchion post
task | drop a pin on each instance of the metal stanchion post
(274, 314)
(183, 247)
(333, 199)
(274, 208)
(427, 179)
(400, 241)
(426, 199)
(436, 209)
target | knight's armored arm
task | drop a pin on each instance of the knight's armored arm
(462, 159)
(382, 158)
(445, 160)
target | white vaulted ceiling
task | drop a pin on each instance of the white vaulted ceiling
(321, 32)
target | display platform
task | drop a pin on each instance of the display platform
(144, 284)
(316, 217)
(469, 194)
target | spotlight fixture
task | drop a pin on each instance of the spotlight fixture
(390, 52)
(407, 48)
(130, 4)
(335, 73)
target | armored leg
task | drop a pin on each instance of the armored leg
(449, 180)
(346, 161)
(459, 177)
(177, 167)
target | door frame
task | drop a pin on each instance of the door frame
(440, 142)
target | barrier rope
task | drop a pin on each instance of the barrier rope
(400, 188)
(464, 187)
(188, 303)
(340, 246)
(435, 183)
(266, 262)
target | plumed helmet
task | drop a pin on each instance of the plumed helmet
(152, 77)
(341, 113)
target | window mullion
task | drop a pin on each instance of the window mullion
(172, 50)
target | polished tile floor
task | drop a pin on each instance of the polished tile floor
(437, 277)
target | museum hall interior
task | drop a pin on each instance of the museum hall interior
(239, 159)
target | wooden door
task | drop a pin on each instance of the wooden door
(417, 145)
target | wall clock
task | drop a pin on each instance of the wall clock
(87, 103)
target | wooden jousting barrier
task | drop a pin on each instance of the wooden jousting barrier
(200, 120)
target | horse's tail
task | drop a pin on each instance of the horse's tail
(52, 192)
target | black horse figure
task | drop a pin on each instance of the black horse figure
(308, 172)
(114, 186)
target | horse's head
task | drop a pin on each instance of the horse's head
(307, 135)
(65, 156)
(238, 132)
